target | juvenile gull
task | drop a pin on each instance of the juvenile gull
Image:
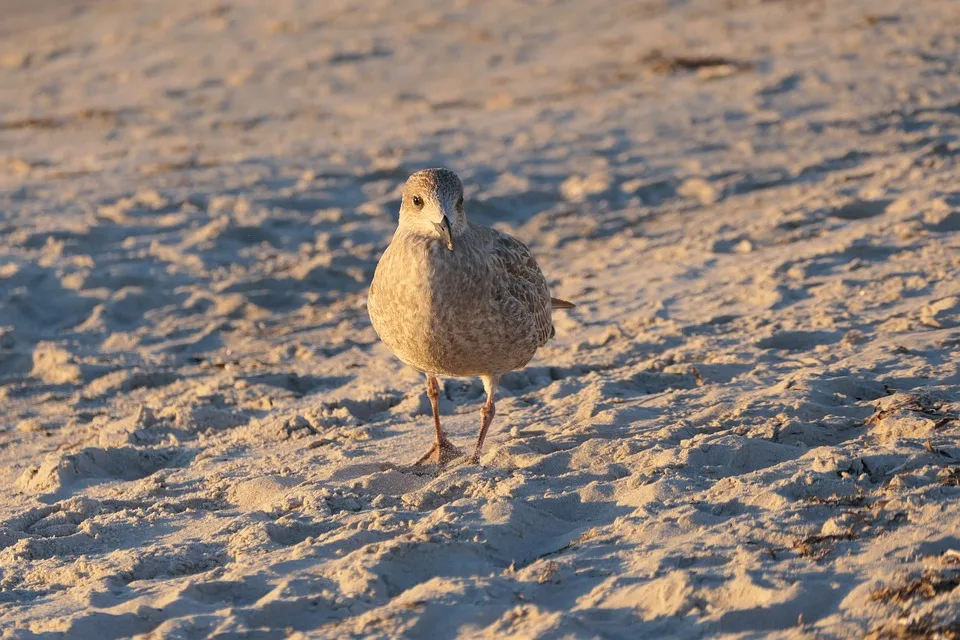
(453, 298)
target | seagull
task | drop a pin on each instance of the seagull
(453, 298)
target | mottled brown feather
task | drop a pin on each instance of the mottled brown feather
(482, 309)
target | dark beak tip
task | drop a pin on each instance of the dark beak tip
(443, 228)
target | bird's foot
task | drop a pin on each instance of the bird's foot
(440, 454)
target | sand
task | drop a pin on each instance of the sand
(747, 427)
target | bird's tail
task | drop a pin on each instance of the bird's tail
(557, 303)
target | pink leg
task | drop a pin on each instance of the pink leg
(487, 412)
(442, 450)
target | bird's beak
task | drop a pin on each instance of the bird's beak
(443, 228)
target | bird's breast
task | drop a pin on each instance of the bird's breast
(437, 311)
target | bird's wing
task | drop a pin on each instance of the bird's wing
(523, 281)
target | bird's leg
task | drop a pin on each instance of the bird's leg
(487, 411)
(442, 450)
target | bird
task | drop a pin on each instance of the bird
(452, 298)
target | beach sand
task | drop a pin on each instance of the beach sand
(747, 427)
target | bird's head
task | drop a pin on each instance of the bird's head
(432, 205)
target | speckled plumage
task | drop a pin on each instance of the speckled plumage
(482, 308)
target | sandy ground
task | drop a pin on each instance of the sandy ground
(748, 426)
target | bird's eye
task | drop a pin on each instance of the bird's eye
(460, 203)
(417, 201)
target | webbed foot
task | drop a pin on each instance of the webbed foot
(441, 454)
